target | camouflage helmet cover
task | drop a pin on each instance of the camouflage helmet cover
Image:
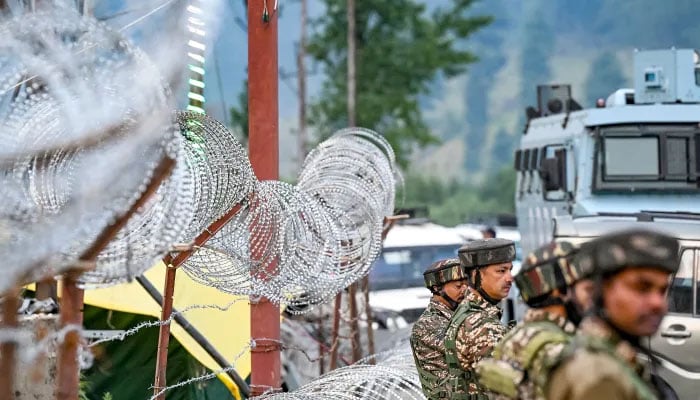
(443, 271)
(482, 252)
(547, 268)
(631, 248)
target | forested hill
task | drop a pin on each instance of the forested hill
(588, 44)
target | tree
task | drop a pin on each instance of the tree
(502, 149)
(537, 47)
(489, 43)
(401, 48)
(604, 77)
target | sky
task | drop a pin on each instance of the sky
(227, 59)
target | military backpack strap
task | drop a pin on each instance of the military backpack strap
(458, 378)
(500, 377)
(507, 370)
(547, 334)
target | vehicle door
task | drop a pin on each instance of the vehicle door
(677, 343)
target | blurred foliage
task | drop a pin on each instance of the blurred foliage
(401, 48)
(453, 202)
(488, 43)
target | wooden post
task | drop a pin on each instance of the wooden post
(71, 308)
(335, 332)
(352, 50)
(71, 314)
(368, 316)
(264, 156)
(8, 349)
(301, 78)
(164, 331)
(172, 262)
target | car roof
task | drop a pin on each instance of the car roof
(427, 234)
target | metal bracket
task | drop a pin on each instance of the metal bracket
(265, 345)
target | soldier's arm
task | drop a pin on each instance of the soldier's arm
(476, 342)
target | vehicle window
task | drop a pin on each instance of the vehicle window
(647, 157)
(677, 157)
(631, 156)
(680, 296)
(404, 267)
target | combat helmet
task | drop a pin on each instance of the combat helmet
(548, 268)
(483, 252)
(616, 251)
(443, 271)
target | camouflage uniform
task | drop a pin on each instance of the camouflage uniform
(427, 343)
(612, 369)
(522, 361)
(476, 325)
(428, 333)
(473, 332)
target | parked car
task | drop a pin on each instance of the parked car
(396, 279)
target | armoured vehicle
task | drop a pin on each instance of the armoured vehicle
(632, 160)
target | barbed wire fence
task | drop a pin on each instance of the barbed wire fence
(69, 181)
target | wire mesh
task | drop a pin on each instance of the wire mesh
(387, 375)
(219, 166)
(84, 120)
(300, 245)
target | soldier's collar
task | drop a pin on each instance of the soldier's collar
(478, 302)
(441, 307)
(535, 314)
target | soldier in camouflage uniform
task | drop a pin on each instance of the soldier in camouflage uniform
(632, 271)
(559, 292)
(475, 326)
(447, 281)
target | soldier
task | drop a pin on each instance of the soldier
(475, 326)
(631, 271)
(446, 280)
(559, 292)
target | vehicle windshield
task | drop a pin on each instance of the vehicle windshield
(399, 268)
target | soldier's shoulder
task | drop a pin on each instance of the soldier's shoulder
(599, 367)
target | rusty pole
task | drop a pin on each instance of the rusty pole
(263, 148)
(68, 373)
(71, 314)
(301, 79)
(164, 330)
(352, 121)
(8, 349)
(172, 263)
(335, 331)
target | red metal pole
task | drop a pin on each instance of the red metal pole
(263, 148)
(71, 314)
(172, 262)
(164, 332)
(8, 358)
